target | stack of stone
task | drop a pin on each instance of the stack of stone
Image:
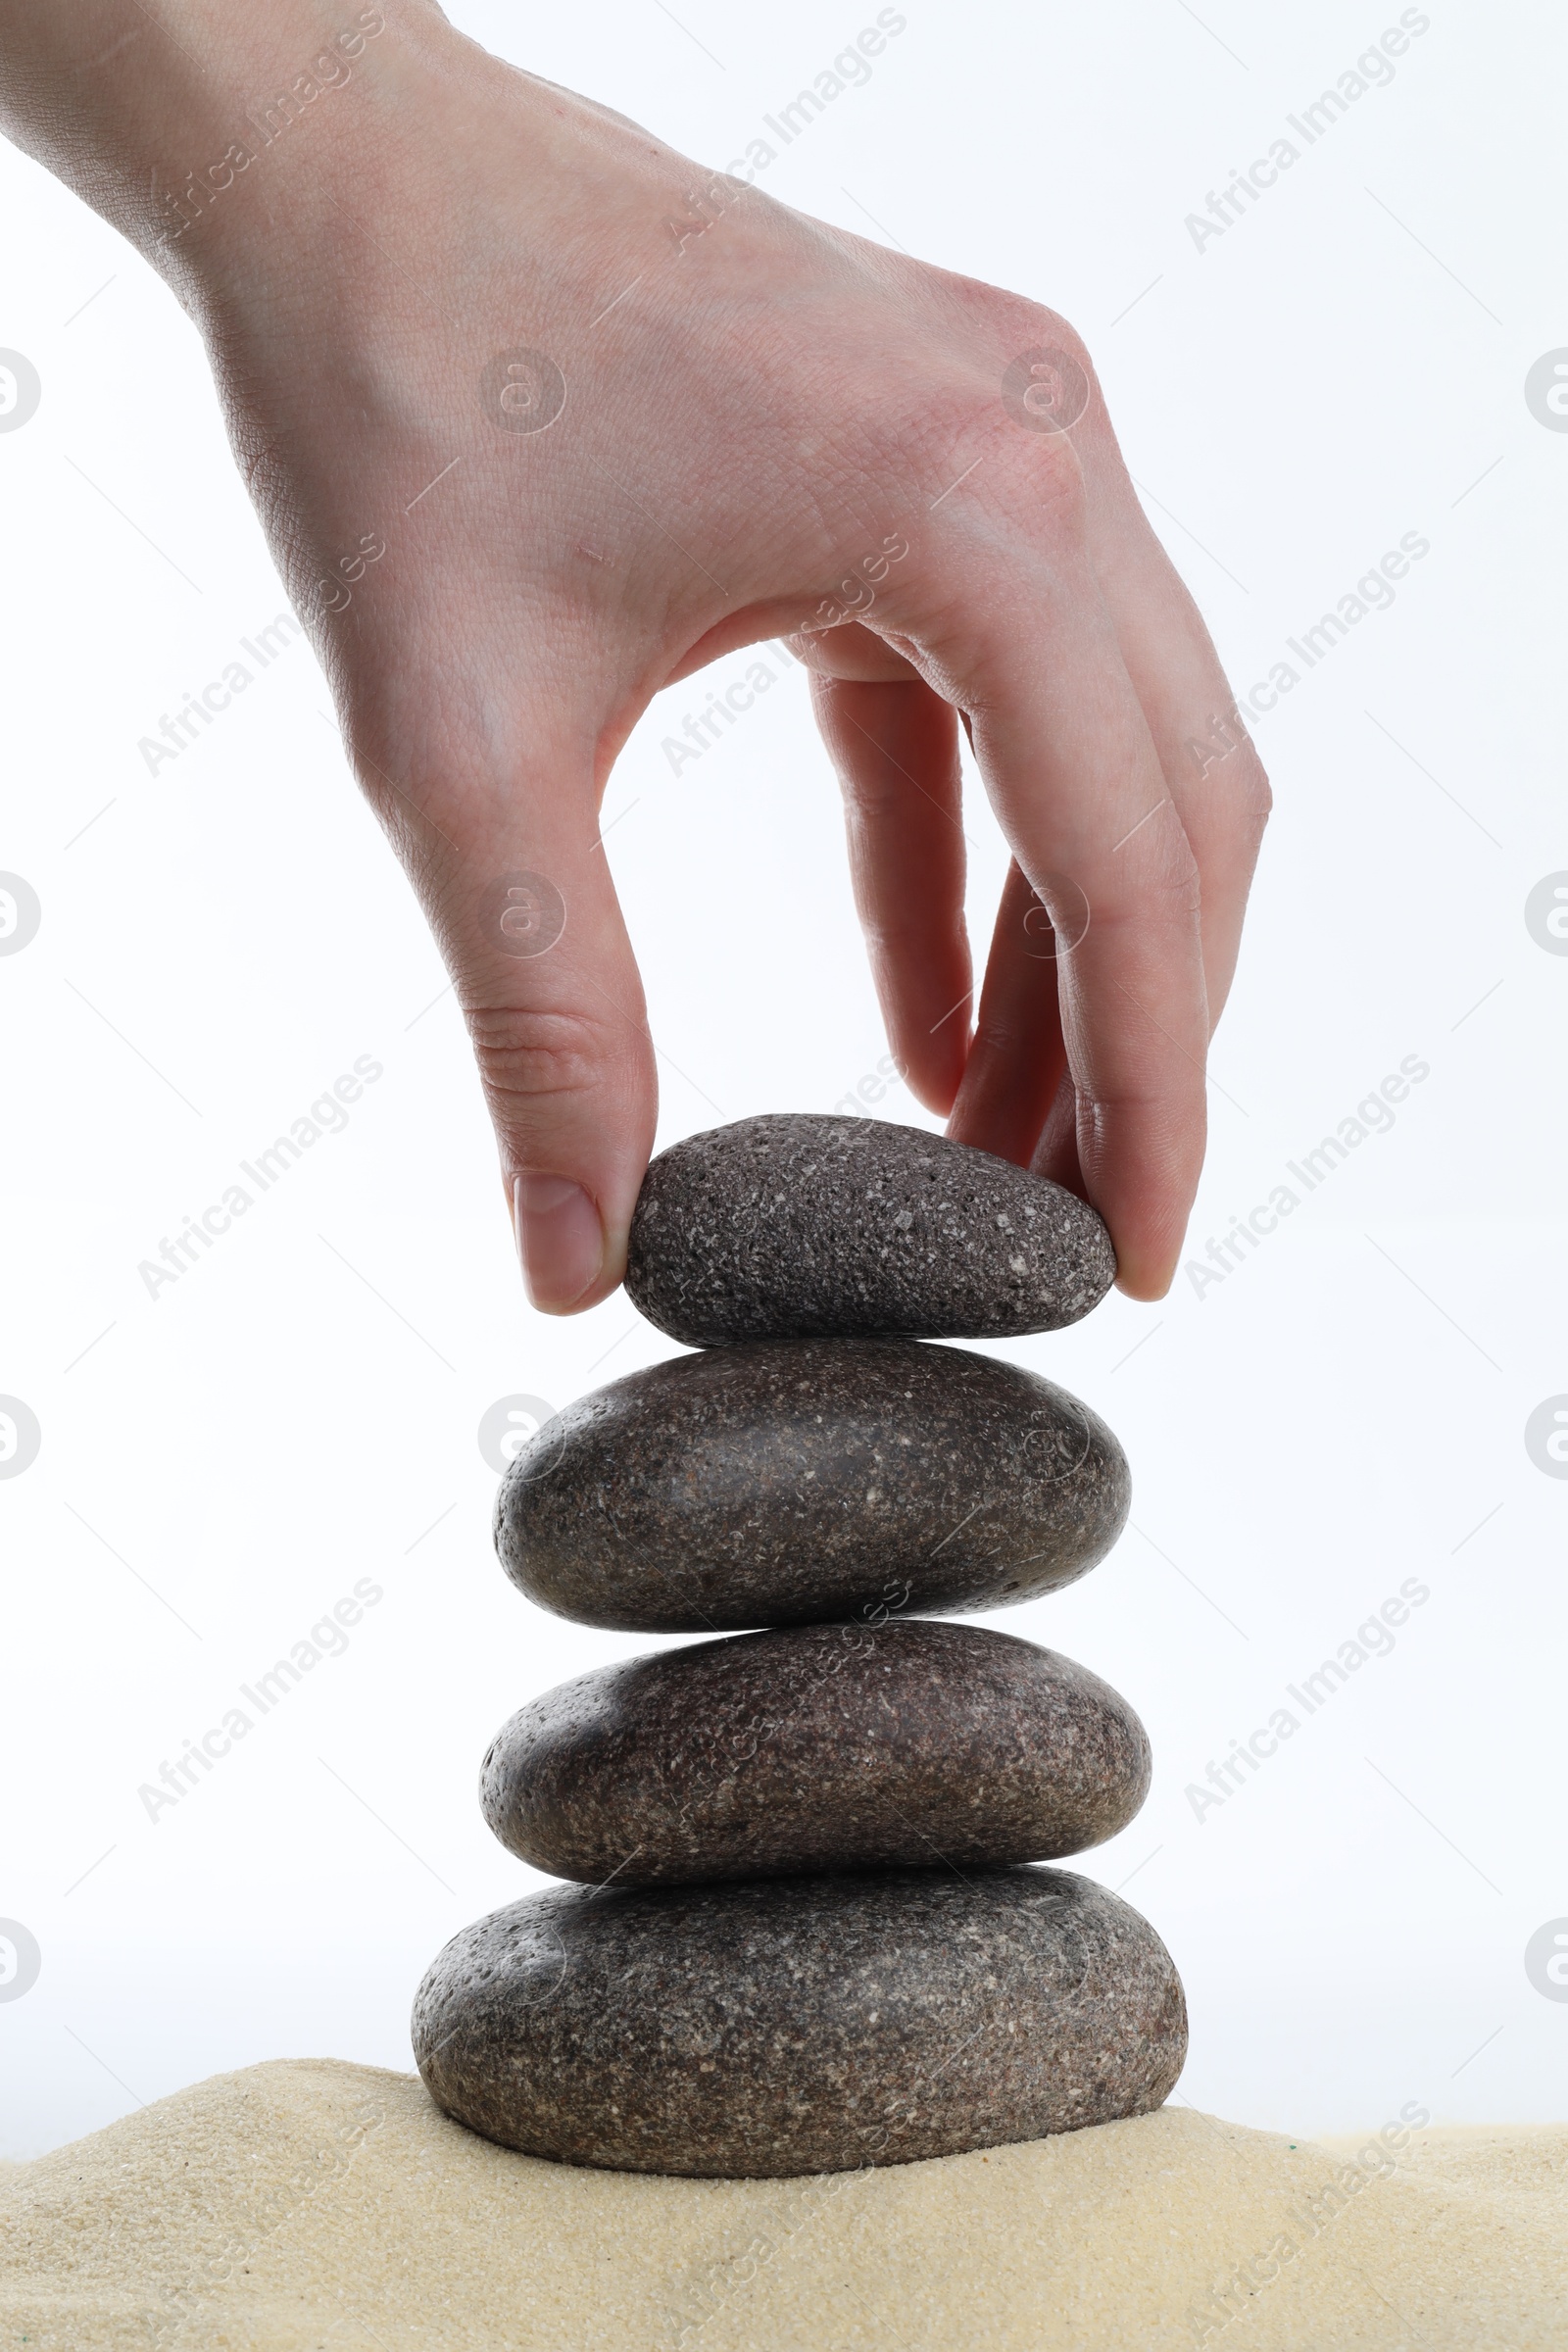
(809, 1928)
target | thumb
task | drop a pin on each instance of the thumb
(526, 915)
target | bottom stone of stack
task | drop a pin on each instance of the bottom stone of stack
(762, 2028)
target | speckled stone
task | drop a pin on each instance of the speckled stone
(817, 1747)
(787, 1481)
(800, 1226)
(777, 2026)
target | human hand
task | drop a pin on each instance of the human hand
(541, 418)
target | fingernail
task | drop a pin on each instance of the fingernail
(561, 1240)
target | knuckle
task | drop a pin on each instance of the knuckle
(1177, 882)
(1010, 319)
(1170, 904)
(877, 798)
(1164, 886)
(530, 1056)
(896, 938)
(1035, 324)
(1256, 795)
(1228, 762)
(1057, 329)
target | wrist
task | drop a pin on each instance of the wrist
(205, 130)
(261, 99)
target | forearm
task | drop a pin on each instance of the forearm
(195, 125)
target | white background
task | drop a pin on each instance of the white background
(1343, 367)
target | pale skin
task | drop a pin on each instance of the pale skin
(769, 407)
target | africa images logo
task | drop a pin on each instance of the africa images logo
(522, 391)
(522, 914)
(20, 913)
(1546, 1436)
(1545, 391)
(1545, 913)
(19, 1960)
(508, 1426)
(1546, 1959)
(19, 1437)
(21, 390)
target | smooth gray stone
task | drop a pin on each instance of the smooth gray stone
(788, 1481)
(817, 1747)
(799, 1226)
(779, 2026)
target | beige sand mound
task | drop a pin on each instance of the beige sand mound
(318, 2207)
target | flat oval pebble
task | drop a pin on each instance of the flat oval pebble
(783, 2026)
(800, 1225)
(787, 1481)
(817, 1747)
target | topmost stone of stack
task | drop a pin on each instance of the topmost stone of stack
(807, 1226)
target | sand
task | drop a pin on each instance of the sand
(314, 2206)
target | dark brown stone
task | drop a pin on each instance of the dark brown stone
(799, 1226)
(817, 1747)
(784, 1481)
(779, 2026)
